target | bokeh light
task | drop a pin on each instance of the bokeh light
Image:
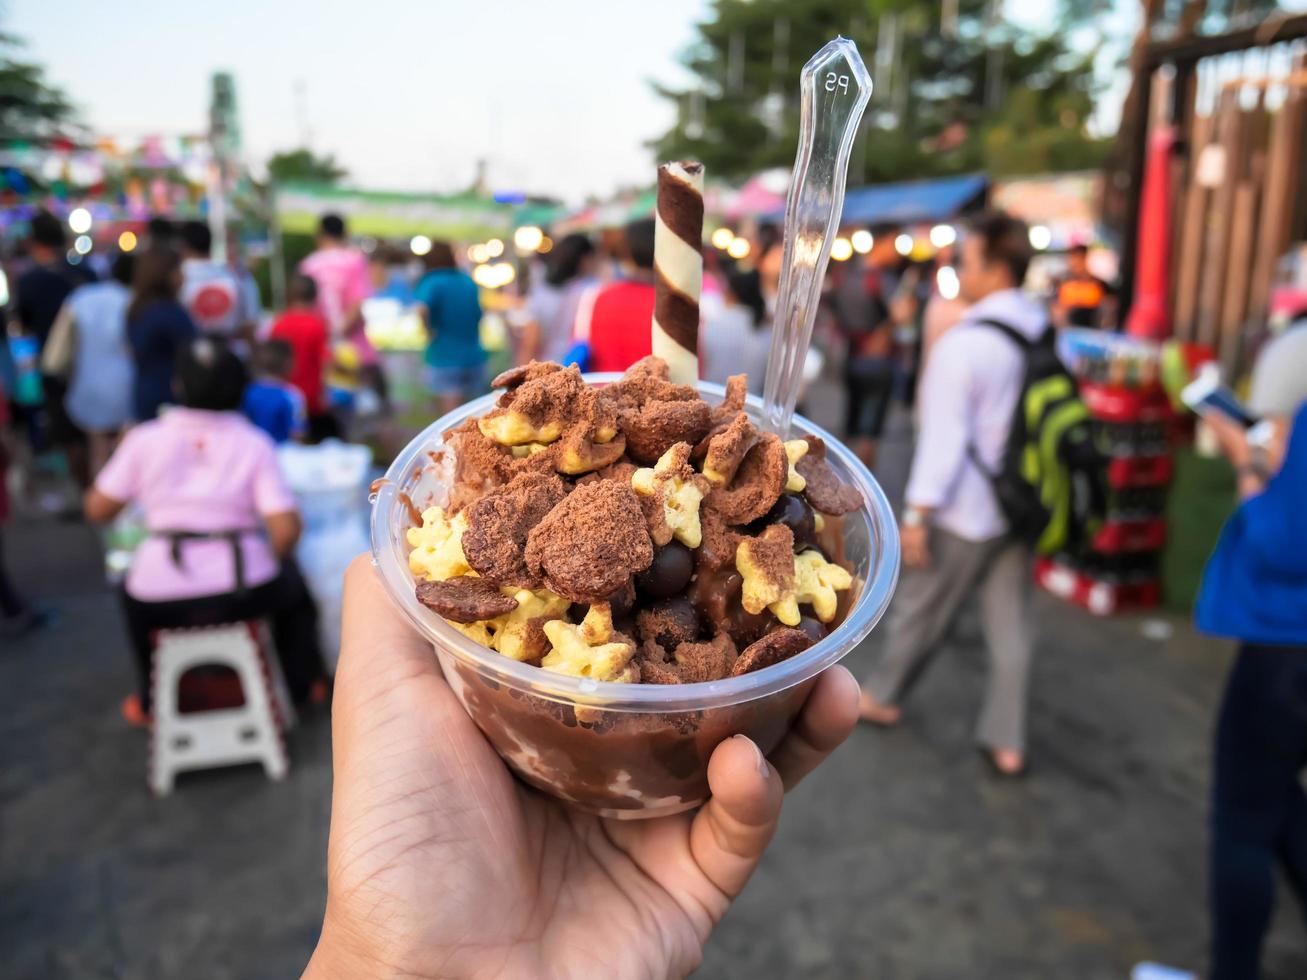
(903, 244)
(494, 248)
(82, 244)
(528, 238)
(79, 220)
(419, 244)
(1040, 237)
(946, 281)
(738, 248)
(494, 275)
(127, 241)
(942, 236)
(862, 241)
(722, 238)
(841, 250)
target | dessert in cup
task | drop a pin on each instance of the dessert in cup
(619, 572)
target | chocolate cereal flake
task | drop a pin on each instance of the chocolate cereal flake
(657, 426)
(498, 524)
(825, 490)
(737, 390)
(726, 450)
(758, 483)
(708, 661)
(776, 646)
(646, 380)
(591, 543)
(515, 376)
(465, 599)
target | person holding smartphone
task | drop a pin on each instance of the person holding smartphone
(1255, 591)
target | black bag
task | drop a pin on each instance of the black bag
(1052, 482)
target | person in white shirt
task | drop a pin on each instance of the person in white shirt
(212, 292)
(955, 541)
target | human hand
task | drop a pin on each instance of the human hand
(915, 542)
(441, 864)
(1231, 437)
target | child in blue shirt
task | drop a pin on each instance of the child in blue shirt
(271, 402)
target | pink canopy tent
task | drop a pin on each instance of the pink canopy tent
(761, 194)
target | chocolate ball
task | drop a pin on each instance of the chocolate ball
(669, 623)
(795, 513)
(623, 600)
(813, 627)
(673, 564)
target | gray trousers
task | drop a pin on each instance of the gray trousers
(927, 603)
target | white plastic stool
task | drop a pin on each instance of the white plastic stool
(226, 736)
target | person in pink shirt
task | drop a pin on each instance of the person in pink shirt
(343, 278)
(344, 281)
(222, 524)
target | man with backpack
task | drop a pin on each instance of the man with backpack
(997, 414)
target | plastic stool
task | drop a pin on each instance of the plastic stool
(225, 737)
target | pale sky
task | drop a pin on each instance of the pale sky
(554, 93)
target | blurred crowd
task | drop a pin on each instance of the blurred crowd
(100, 347)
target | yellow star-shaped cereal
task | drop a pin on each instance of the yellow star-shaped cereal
(816, 581)
(437, 552)
(795, 450)
(508, 634)
(588, 650)
(482, 632)
(528, 449)
(511, 635)
(515, 429)
(765, 565)
(672, 479)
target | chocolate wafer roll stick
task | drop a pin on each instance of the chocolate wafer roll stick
(678, 268)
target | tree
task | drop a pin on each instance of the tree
(31, 108)
(304, 166)
(966, 93)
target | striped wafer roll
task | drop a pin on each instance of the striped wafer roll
(678, 267)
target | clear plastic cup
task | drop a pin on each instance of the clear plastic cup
(627, 750)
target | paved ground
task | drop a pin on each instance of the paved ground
(900, 859)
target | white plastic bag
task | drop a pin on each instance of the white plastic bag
(330, 483)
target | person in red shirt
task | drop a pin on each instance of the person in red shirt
(303, 327)
(618, 319)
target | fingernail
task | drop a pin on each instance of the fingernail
(763, 766)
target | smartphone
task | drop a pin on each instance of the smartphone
(1205, 395)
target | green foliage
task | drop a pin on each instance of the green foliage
(304, 166)
(31, 108)
(947, 98)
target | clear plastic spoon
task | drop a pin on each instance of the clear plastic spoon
(835, 87)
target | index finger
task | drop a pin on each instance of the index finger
(827, 717)
(379, 648)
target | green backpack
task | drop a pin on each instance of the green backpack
(1052, 482)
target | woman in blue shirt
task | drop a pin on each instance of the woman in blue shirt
(451, 304)
(1255, 590)
(158, 327)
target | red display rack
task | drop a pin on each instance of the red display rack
(1112, 404)
(1117, 537)
(1100, 595)
(1139, 471)
(1116, 573)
